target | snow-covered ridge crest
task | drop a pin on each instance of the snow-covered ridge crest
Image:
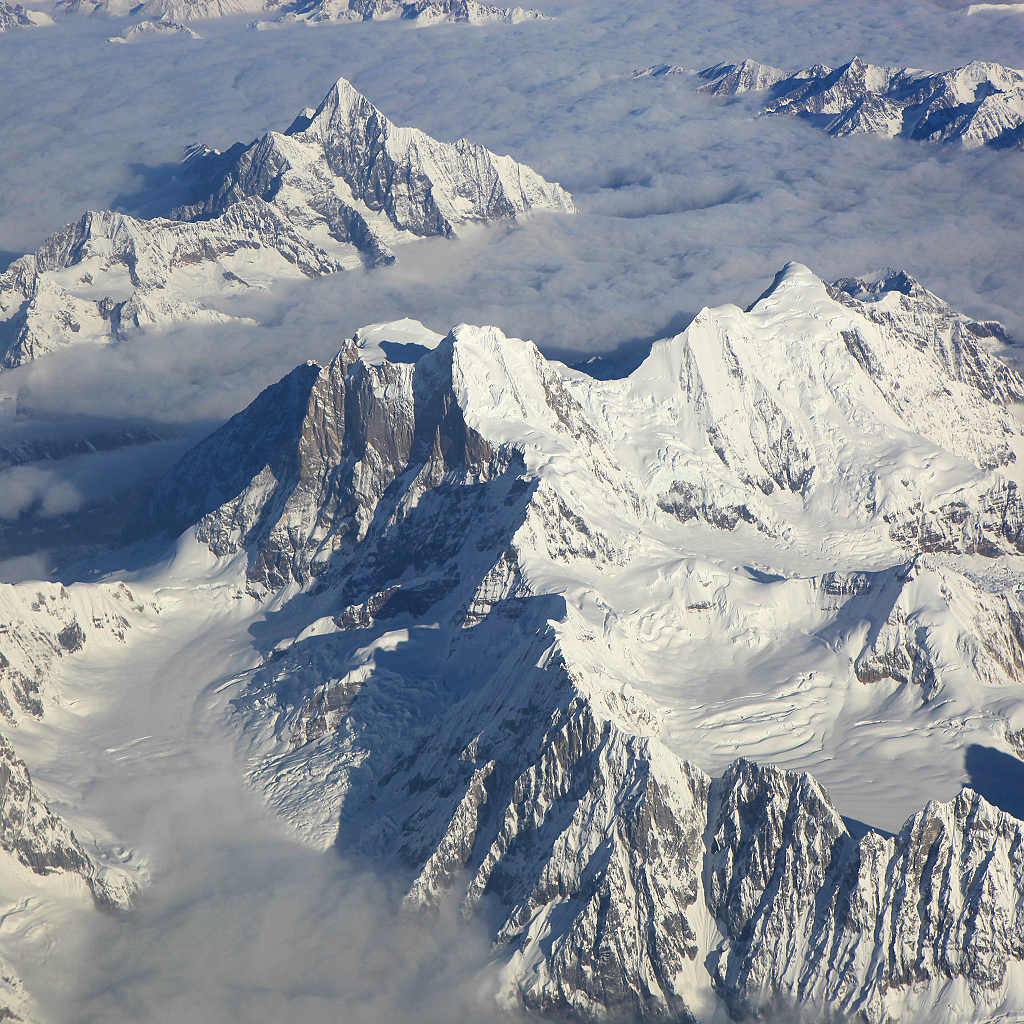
(797, 416)
(981, 103)
(765, 403)
(312, 12)
(339, 189)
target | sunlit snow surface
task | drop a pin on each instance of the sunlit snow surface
(683, 204)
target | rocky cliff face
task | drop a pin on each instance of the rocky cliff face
(869, 928)
(338, 190)
(41, 841)
(979, 104)
(356, 444)
(501, 646)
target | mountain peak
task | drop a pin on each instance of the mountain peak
(498, 517)
(339, 190)
(748, 75)
(343, 96)
(346, 93)
(734, 388)
(791, 278)
(876, 283)
(795, 273)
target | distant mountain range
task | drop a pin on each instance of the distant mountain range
(13, 16)
(979, 104)
(279, 12)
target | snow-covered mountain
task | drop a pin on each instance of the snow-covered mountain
(339, 189)
(279, 12)
(521, 623)
(149, 29)
(981, 103)
(506, 629)
(14, 16)
(422, 12)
